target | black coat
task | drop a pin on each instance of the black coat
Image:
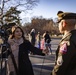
(24, 64)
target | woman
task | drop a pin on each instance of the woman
(20, 46)
(38, 39)
(32, 34)
(47, 41)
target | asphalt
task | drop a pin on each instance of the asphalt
(43, 65)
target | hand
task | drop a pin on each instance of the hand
(46, 51)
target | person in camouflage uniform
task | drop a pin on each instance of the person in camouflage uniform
(65, 63)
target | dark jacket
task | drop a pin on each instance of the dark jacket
(67, 51)
(47, 38)
(32, 38)
(25, 67)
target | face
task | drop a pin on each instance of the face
(61, 28)
(18, 33)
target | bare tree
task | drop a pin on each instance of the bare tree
(21, 5)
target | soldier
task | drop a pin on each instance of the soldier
(65, 63)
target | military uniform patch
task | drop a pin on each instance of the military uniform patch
(63, 48)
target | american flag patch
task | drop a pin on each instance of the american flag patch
(63, 48)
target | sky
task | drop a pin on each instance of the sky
(49, 8)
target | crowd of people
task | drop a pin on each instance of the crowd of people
(19, 47)
(39, 41)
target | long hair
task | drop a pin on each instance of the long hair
(13, 31)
